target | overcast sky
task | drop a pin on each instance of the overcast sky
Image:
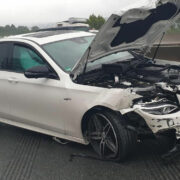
(31, 12)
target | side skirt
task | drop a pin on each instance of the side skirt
(43, 131)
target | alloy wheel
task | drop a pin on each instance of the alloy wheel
(102, 136)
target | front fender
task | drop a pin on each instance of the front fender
(115, 99)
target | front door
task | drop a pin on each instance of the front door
(34, 102)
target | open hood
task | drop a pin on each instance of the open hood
(133, 29)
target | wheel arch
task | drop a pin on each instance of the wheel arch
(90, 111)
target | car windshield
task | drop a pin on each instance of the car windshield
(67, 53)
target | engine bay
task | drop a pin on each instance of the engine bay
(154, 82)
(133, 73)
(157, 83)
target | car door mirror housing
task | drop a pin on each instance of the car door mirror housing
(40, 72)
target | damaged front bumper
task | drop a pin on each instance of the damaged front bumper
(159, 116)
(159, 107)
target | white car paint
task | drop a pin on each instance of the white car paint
(57, 107)
(40, 105)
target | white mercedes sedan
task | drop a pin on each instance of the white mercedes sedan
(100, 90)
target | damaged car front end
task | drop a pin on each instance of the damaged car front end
(159, 108)
(116, 59)
(162, 112)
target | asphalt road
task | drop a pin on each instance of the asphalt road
(25, 155)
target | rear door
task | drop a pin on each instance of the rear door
(5, 49)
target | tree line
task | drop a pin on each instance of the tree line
(13, 30)
(95, 22)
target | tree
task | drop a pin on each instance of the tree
(22, 30)
(34, 28)
(95, 22)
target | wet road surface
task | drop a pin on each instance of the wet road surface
(25, 155)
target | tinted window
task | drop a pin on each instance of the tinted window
(24, 58)
(120, 56)
(4, 52)
(67, 53)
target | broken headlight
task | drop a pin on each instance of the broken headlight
(161, 110)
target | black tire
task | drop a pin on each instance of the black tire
(125, 140)
(165, 143)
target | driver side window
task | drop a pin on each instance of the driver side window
(24, 58)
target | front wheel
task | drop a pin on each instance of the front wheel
(108, 137)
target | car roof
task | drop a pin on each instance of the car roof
(45, 37)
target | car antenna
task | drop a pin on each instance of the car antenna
(156, 51)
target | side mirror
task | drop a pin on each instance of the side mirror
(39, 72)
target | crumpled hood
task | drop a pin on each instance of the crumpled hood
(133, 29)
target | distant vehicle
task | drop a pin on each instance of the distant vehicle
(72, 28)
(73, 21)
(74, 24)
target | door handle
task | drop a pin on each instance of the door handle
(12, 80)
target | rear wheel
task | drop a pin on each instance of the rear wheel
(108, 137)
